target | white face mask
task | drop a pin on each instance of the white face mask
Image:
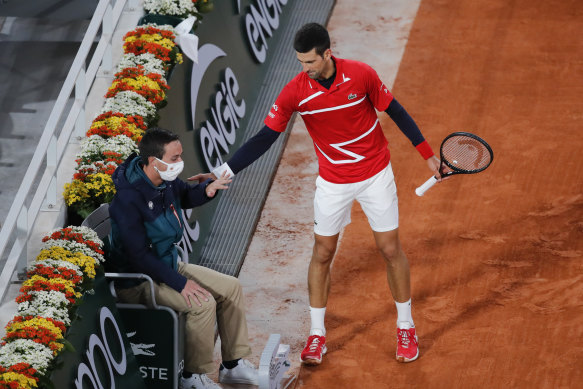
(172, 171)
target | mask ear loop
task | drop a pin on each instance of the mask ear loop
(164, 163)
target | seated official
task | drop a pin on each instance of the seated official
(146, 223)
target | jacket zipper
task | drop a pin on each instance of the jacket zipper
(175, 214)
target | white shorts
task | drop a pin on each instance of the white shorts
(377, 197)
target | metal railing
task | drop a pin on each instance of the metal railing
(17, 228)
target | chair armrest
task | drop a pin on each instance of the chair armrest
(136, 276)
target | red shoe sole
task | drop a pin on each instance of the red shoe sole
(311, 362)
(403, 359)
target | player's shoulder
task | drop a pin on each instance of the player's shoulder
(295, 87)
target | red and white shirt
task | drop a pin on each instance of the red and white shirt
(342, 120)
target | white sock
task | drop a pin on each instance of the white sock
(404, 318)
(317, 317)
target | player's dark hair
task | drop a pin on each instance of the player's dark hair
(153, 143)
(312, 36)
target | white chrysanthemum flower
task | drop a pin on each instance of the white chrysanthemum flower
(91, 145)
(57, 263)
(167, 27)
(130, 103)
(28, 351)
(94, 146)
(51, 304)
(149, 61)
(74, 247)
(121, 144)
(170, 7)
(88, 233)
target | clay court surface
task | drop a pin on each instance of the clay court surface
(496, 258)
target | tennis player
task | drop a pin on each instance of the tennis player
(337, 98)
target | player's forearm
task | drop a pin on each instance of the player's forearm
(250, 151)
(408, 127)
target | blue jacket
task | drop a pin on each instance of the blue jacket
(146, 222)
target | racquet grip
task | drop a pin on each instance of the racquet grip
(420, 191)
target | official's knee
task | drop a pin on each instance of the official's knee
(235, 288)
(206, 308)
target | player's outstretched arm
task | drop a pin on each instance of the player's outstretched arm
(248, 153)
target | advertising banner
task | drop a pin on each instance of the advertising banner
(102, 356)
(210, 102)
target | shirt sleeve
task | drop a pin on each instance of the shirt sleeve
(408, 127)
(283, 108)
(378, 93)
(253, 149)
(192, 195)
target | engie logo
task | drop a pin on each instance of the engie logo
(217, 132)
(262, 20)
(98, 351)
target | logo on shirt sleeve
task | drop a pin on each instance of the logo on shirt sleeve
(352, 96)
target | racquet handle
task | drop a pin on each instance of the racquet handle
(425, 187)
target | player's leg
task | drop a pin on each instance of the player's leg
(332, 203)
(378, 199)
(398, 273)
(319, 270)
(318, 289)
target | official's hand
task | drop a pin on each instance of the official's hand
(434, 164)
(202, 177)
(194, 291)
(219, 184)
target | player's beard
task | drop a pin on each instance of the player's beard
(314, 74)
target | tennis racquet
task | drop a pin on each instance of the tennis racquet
(461, 153)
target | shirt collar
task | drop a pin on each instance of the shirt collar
(341, 77)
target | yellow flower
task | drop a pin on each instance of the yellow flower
(98, 188)
(75, 192)
(36, 322)
(86, 263)
(69, 285)
(118, 124)
(23, 381)
(153, 38)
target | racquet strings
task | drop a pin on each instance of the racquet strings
(466, 154)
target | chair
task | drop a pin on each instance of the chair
(160, 354)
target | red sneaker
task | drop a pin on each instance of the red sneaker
(315, 348)
(407, 345)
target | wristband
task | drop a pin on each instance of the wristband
(218, 171)
(425, 150)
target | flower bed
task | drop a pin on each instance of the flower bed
(131, 106)
(66, 265)
(62, 272)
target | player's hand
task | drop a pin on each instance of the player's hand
(195, 292)
(219, 184)
(434, 164)
(202, 177)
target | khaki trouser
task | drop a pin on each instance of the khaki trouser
(226, 308)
